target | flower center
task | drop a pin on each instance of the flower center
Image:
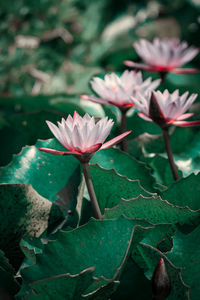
(114, 88)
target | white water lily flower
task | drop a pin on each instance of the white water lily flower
(172, 107)
(164, 55)
(81, 135)
(117, 90)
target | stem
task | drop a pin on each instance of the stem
(90, 187)
(162, 76)
(123, 144)
(170, 154)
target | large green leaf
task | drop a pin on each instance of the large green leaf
(139, 126)
(186, 255)
(30, 246)
(131, 168)
(73, 251)
(60, 102)
(23, 212)
(110, 187)
(47, 173)
(181, 140)
(183, 82)
(8, 284)
(24, 129)
(60, 287)
(104, 292)
(133, 282)
(154, 210)
(147, 257)
(161, 169)
(184, 192)
(185, 147)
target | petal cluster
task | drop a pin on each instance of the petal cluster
(82, 135)
(164, 55)
(117, 90)
(172, 107)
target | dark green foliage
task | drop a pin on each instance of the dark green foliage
(50, 246)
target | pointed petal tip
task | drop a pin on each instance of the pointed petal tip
(186, 123)
(128, 132)
(128, 63)
(48, 122)
(75, 113)
(57, 152)
(115, 140)
(84, 97)
(185, 71)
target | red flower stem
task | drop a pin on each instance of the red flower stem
(170, 154)
(123, 144)
(90, 187)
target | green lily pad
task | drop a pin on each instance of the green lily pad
(131, 168)
(60, 102)
(186, 255)
(73, 251)
(24, 129)
(139, 126)
(160, 237)
(161, 169)
(61, 287)
(104, 292)
(147, 257)
(154, 210)
(47, 173)
(184, 192)
(24, 212)
(8, 284)
(31, 246)
(110, 187)
(185, 143)
(183, 82)
(88, 237)
(132, 282)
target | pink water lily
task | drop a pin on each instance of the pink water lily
(164, 55)
(172, 107)
(82, 136)
(117, 90)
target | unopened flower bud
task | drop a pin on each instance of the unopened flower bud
(156, 114)
(161, 286)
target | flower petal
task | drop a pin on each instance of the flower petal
(94, 99)
(186, 123)
(144, 117)
(94, 148)
(114, 141)
(184, 116)
(185, 71)
(57, 152)
(132, 64)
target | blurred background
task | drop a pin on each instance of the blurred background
(49, 47)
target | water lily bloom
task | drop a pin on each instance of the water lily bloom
(171, 108)
(117, 90)
(82, 136)
(164, 55)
